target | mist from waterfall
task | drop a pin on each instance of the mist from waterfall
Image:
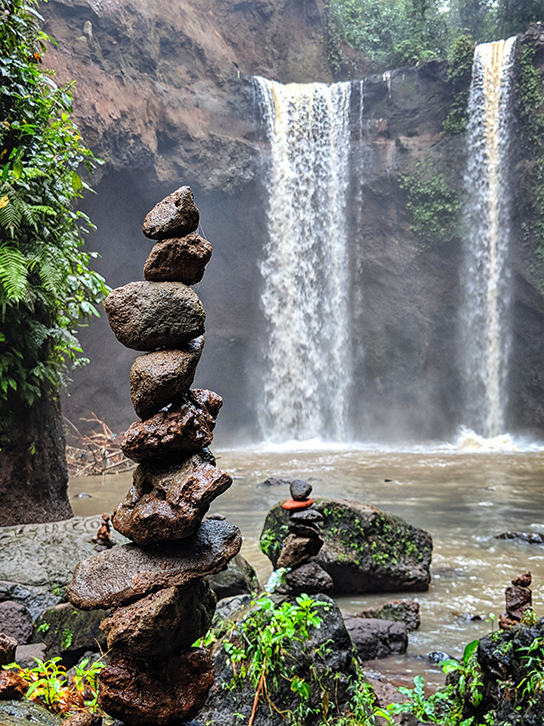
(485, 272)
(306, 368)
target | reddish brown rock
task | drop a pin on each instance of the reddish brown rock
(175, 216)
(168, 502)
(523, 580)
(148, 315)
(83, 718)
(169, 692)
(158, 378)
(8, 646)
(121, 575)
(12, 686)
(298, 550)
(293, 505)
(183, 259)
(182, 430)
(165, 622)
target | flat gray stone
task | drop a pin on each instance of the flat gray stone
(117, 576)
(148, 315)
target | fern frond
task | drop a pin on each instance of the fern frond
(13, 273)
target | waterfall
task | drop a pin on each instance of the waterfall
(305, 377)
(485, 278)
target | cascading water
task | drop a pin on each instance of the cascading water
(305, 381)
(485, 272)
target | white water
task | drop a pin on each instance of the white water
(305, 378)
(485, 277)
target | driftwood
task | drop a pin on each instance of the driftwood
(97, 452)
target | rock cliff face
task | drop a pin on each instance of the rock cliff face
(164, 94)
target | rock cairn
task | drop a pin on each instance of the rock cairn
(302, 543)
(155, 587)
(518, 599)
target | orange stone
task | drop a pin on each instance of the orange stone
(293, 504)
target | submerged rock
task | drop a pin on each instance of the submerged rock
(117, 576)
(168, 501)
(167, 621)
(376, 638)
(158, 378)
(404, 611)
(148, 315)
(163, 693)
(181, 260)
(364, 550)
(183, 429)
(175, 216)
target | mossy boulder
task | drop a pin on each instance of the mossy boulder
(364, 550)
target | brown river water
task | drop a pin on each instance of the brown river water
(462, 496)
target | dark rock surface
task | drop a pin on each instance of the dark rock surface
(15, 620)
(46, 555)
(21, 713)
(69, 632)
(185, 428)
(329, 652)
(168, 502)
(404, 611)
(157, 378)
(122, 574)
(164, 693)
(148, 315)
(181, 260)
(174, 216)
(531, 537)
(12, 686)
(238, 579)
(8, 645)
(376, 638)
(84, 718)
(164, 622)
(298, 550)
(309, 578)
(300, 490)
(364, 550)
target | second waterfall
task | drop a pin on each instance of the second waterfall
(306, 372)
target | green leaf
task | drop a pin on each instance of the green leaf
(76, 182)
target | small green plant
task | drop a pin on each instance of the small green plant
(50, 686)
(43, 628)
(434, 206)
(67, 638)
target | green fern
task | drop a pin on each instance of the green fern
(13, 274)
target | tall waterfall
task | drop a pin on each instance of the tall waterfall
(305, 381)
(486, 274)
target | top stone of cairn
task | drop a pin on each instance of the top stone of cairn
(175, 216)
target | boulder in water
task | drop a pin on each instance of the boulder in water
(404, 611)
(148, 315)
(364, 550)
(158, 378)
(376, 638)
(175, 216)
(181, 260)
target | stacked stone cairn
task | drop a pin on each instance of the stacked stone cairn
(519, 598)
(156, 586)
(302, 543)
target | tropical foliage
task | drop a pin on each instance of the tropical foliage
(46, 287)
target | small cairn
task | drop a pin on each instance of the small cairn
(302, 543)
(519, 598)
(156, 586)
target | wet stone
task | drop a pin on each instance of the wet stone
(12, 686)
(307, 517)
(8, 645)
(185, 428)
(168, 502)
(148, 315)
(175, 216)
(158, 378)
(309, 578)
(173, 690)
(300, 490)
(297, 550)
(165, 622)
(182, 260)
(118, 576)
